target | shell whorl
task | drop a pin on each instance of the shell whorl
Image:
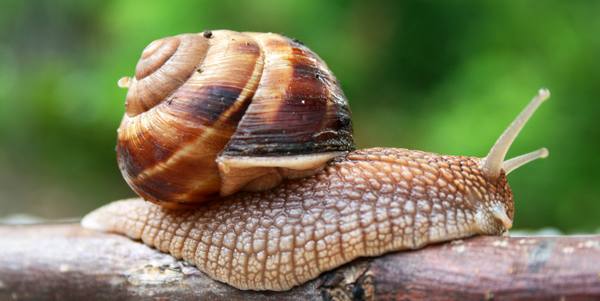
(207, 115)
(164, 65)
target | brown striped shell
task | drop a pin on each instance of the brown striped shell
(212, 113)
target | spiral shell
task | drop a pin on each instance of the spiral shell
(212, 113)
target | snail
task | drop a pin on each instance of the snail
(273, 216)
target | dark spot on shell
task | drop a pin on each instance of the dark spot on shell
(207, 34)
(297, 41)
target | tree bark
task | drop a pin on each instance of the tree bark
(66, 262)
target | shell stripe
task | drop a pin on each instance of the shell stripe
(293, 111)
(216, 103)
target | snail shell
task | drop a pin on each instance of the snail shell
(212, 113)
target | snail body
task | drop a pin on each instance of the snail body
(366, 203)
(340, 206)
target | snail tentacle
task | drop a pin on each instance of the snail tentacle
(493, 163)
(516, 162)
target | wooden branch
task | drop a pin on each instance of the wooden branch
(66, 262)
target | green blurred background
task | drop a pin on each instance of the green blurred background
(439, 76)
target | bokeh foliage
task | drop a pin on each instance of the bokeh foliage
(442, 76)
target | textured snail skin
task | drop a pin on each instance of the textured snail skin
(367, 203)
(198, 101)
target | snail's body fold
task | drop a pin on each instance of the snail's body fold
(366, 204)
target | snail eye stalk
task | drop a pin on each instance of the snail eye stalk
(516, 162)
(494, 162)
